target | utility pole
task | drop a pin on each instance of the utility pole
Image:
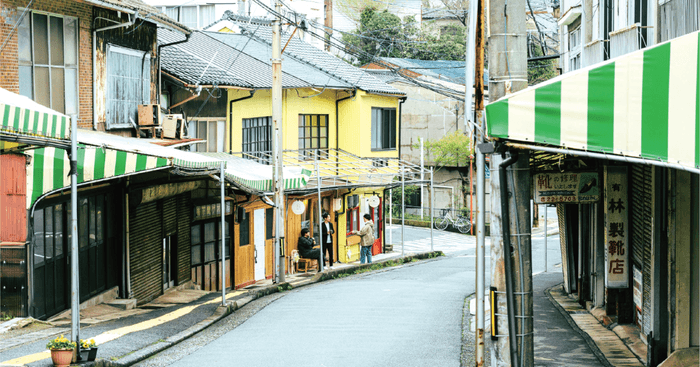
(508, 74)
(277, 146)
(480, 185)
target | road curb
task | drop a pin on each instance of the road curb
(240, 301)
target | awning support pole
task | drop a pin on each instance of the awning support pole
(74, 264)
(432, 201)
(403, 210)
(422, 177)
(545, 238)
(391, 216)
(222, 183)
(320, 216)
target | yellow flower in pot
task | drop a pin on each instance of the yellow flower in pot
(61, 351)
(88, 350)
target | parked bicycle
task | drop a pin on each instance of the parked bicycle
(462, 223)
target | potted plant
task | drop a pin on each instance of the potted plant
(61, 351)
(88, 350)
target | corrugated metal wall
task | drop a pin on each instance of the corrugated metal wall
(13, 190)
(641, 231)
(145, 251)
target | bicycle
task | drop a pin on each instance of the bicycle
(463, 224)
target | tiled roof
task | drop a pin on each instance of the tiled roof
(204, 60)
(263, 51)
(331, 65)
(144, 10)
(452, 71)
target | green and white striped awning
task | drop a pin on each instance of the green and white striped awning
(645, 104)
(258, 176)
(103, 156)
(23, 122)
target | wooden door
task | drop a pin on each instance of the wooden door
(244, 254)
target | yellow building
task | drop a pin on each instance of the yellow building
(339, 122)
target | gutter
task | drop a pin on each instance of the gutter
(94, 59)
(507, 253)
(160, 82)
(401, 101)
(230, 119)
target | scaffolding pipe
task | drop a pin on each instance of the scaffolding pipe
(320, 216)
(222, 183)
(422, 177)
(75, 251)
(432, 200)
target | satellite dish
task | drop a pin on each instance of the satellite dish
(373, 201)
(298, 207)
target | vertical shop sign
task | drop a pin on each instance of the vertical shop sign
(617, 264)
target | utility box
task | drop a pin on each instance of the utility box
(149, 115)
(173, 126)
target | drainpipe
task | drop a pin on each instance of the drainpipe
(401, 101)
(230, 119)
(507, 254)
(160, 83)
(94, 61)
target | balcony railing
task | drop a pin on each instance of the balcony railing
(594, 53)
(630, 39)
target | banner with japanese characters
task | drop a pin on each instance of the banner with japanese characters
(570, 187)
(617, 264)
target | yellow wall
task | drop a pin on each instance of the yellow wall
(353, 244)
(294, 105)
(355, 122)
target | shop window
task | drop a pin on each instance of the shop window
(269, 223)
(244, 231)
(48, 60)
(352, 219)
(196, 241)
(128, 85)
(210, 241)
(383, 128)
(205, 239)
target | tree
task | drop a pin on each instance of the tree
(453, 150)
(539, 70)
(382, 34)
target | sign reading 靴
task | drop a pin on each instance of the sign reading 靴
(617, 265)
(570, 187)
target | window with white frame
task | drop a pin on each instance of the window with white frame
(193, 16)
(128, 85)
(211, 130)
(575, 48)
(48, 60)
(383, 128)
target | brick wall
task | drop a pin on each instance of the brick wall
(9, 79)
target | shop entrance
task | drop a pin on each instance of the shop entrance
(169, 262)
(259, 240)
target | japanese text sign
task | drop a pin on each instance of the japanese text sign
(616, 229)
(570, 187)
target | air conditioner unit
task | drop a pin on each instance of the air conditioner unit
(149, 114)
(173, 126)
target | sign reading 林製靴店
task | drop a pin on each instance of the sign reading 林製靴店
(616, 230)
(570, 187)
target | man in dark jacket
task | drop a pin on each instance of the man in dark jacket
(327, 232)
(306, 246)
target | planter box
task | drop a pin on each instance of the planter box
(88, 354)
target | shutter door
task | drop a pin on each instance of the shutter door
(184, 220)
(145, 253)
(641, 209)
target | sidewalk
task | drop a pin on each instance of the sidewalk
(151, 328)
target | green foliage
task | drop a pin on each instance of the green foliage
(396, 196)
(541, 70)
(383, 34)
(454, 150)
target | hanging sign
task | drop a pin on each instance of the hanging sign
(373, 201)
(298, 207)
(571, 187)
(616, 229)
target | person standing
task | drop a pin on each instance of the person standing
(367, 235)
(327, 232)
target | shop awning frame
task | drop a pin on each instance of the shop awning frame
(642, 107)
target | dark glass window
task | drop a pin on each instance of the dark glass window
(269, 223)
(257, 136)
(244, 231)
(383, 128)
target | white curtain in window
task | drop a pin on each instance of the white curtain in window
(128, 85)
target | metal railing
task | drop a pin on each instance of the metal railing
(630, 39)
